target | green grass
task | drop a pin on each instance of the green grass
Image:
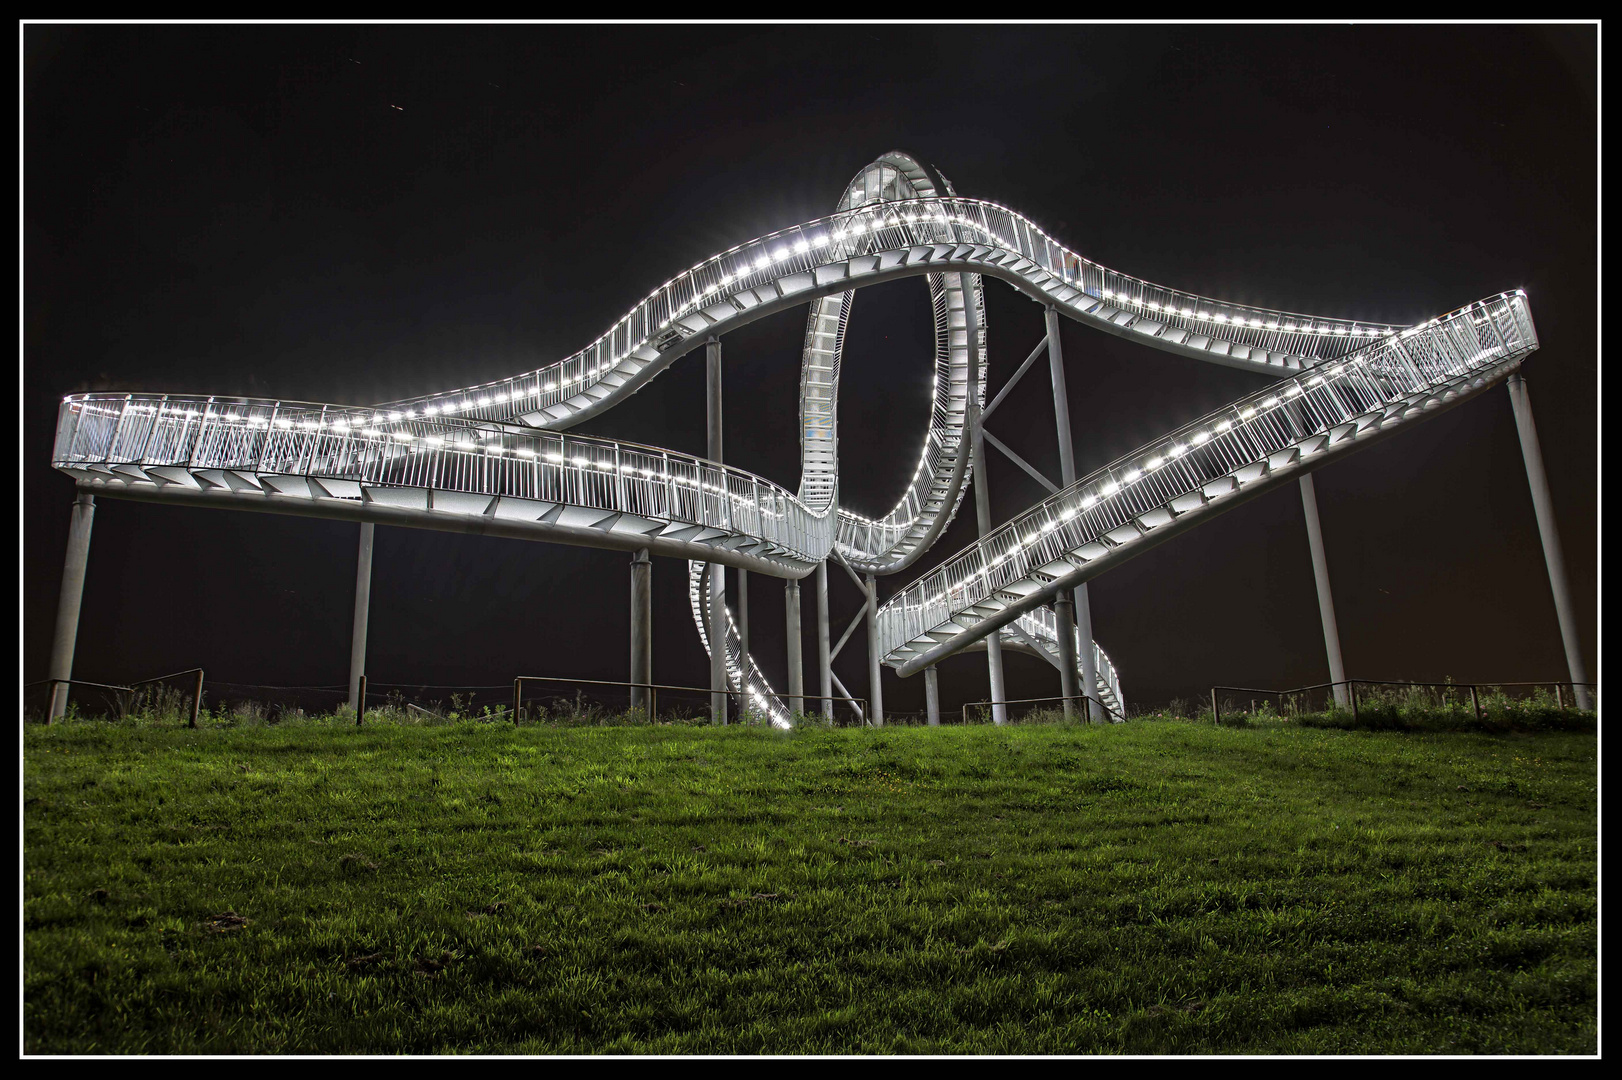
(1140, 888)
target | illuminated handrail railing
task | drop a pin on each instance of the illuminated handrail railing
(1042, 626)
(1221, 444)
(888, 226)
(755, 692)
(335, 443)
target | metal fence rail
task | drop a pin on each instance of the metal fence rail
(1119, 717)
(1352, 685)
(734, 697)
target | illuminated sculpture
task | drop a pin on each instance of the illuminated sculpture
(493, 460)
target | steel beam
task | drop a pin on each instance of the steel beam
(796, 665)
(717, 572)
(982, 495)
(743, 633)
(1326, 599)
(67, 604)
(363, 605)
(1064, 626)
(824, 661)
(855, 708)
(1082, 612)
(1030, 470)
(641, 628)
(1010, 384)
(1553, 555)
(932, 696)
(875, 665)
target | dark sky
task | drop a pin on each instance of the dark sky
(354, 214)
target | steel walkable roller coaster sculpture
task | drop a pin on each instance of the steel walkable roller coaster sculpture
(494, 459)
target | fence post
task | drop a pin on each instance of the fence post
(360, 705)
(1216, 715)
(1559, 697)
(1353, 687)
(518, 698)
(1475, 702)
(197, 699)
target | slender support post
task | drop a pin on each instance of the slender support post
(932, 695)
(982, 494)
(1326, 601)
(743, 633)
(363, 603)
(796, 663)
(717, 572)
(67, 604)
(1553, 555)
(1082, 610)
(1089, 659)
(196, 699)
(641, 628)
(875, 689)
(718, 642)
(1064, 624)
(824, 663)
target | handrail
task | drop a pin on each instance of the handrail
(1241, 442)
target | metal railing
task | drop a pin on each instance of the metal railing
(349, 449)
(1076, 701)
(895, 225)
(651, 710)
(1237, 443)
(1352, 685)
(125, 703)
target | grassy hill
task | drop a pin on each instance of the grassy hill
(1142, 888)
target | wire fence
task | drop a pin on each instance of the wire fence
(188, 698)
(185, 699)
(1377, 699)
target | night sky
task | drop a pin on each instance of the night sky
(356, 214)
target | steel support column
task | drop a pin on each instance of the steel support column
(67, 604)
(743, 637)
(1064, 626)
(982, 496)
(717, 572)
(1553, 555)
(1081, 611)
(641, 627)
(825, 665)
(363, 606)
(796, 663)
(875, 668)
(932, 696)
(1326, 599)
